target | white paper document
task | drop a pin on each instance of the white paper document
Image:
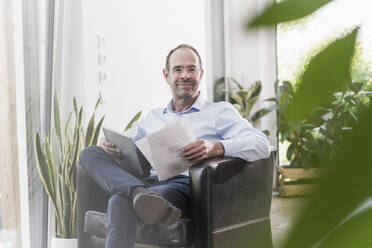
(162, 148)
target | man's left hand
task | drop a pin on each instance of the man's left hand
(202, 149)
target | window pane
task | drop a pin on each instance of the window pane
(299, 40)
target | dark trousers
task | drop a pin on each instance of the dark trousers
(122, 220)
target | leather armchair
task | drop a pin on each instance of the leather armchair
(231, 201)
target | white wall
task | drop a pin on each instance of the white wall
(138, 36)
(250, 55)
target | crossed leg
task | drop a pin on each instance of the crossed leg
(122, 220)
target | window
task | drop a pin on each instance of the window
(298, 40)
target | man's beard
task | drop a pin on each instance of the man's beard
(182, 93)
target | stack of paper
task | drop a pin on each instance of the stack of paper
(162, 148)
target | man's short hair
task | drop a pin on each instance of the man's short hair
(179, 47)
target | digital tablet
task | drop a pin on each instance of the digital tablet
(130, 161)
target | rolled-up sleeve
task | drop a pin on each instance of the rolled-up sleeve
(239, 138)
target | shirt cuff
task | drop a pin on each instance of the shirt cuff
(229, 147)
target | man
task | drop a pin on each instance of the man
(220, 131)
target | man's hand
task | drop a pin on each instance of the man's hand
(202, 149)
(110, 148)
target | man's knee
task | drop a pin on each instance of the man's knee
(90, 153)
(118, 203)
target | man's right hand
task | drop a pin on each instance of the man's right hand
(110, 148)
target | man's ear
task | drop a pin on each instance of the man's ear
(201, 73)
(165, 74)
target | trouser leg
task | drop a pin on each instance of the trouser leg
(106, 173)
(122, 222)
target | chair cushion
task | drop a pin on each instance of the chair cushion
(177, 234)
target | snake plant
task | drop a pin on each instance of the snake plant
(57, 172)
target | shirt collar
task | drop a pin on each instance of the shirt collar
(198, 105)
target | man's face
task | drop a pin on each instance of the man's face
(184, 73)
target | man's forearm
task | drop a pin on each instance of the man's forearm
(249, 148)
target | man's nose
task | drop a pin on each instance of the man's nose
(185, 75)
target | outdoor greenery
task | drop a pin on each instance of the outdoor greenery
(58, 172)
(340, 213)
(309, 152)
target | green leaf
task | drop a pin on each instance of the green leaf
(242, 94)
(239, 108)
(133, 120)
(255, 89)
(96, 132)
(73, 216)
(271, 99)
(266, 132)
(50, 165)
(42, 167)
(235, 98)
(67, 125)
(57, 120)
(77, 150)
(353, 116)
(75, 107)
(89, 132)
(80, 118)
(286, 11)
(97, 104)
(233, 84)
(290, 151)
(327, 73)
(262, 112)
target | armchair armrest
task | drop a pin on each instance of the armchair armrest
(231, 201)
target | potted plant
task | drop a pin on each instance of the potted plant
(313, 141)
(58, 172)
(242, 99)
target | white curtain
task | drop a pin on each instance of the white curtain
(34, 47)
(9, 183)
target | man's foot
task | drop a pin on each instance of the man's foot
(152, 208)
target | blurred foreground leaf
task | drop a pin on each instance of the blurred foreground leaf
(357, 228)
(348, 184)
(327, 73)
(286, 11)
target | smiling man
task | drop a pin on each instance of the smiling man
(220, 131)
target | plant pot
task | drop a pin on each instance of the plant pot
(63, 243)
(298, 181)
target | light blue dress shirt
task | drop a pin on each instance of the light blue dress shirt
(211, 121)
